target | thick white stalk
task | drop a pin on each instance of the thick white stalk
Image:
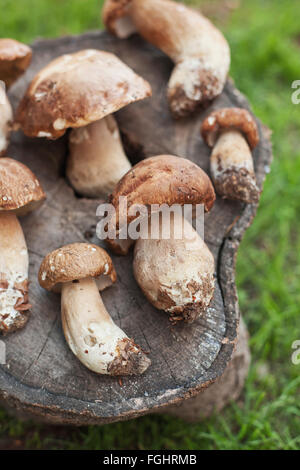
(93, 336)
(97, 160)
(13, 274)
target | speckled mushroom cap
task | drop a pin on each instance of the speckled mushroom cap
(73, 262)
(77, 89)
(229, 118)
(164, 179)
(20, 190)
(15, 57)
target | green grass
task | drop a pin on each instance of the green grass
(265, 41)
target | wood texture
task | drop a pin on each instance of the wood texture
(42, 377)
(224, 390)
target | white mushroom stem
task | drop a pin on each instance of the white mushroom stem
(231, 150)
(6, 118)
(93, 336)
(97, 160)
(13, 273)
(231, 166)
(176, 274)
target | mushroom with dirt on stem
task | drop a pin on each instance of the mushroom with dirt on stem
(20, 193)
(79, 271)
(176, 273)
(81, 91)
(233, 134)
(199, 50)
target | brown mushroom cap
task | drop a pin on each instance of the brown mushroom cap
(73, 262)
(164, 179)
(229, 118)
(20, 190)
(77, 89)
(15, 57)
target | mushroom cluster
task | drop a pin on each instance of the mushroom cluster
(81, 92)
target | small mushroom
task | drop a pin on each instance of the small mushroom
(233, 133)
(20, 193)
(6, 119)
(15, 58)
(79, 271)
(199, 50)
(176, 274)
(81, 91)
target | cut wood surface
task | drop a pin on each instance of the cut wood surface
(42, 377)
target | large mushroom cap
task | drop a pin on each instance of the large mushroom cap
(20, 190)
(73, 262)
(77, 89)
(229, 118)
(15, 57)
(164, 179)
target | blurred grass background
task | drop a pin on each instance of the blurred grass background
(264, 36)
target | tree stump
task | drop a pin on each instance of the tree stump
(42, 378)
(224, 390)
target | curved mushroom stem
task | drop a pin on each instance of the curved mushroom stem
(13, 274)
(97, 160)
(6, 118)
(231, 165)
(197, 47)
(93, 336)
(176, 274)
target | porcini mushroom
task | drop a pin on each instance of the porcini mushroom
(6, 119)
(199, 50)
(20, 193)
(15, 58)
(176, 274)
(81, 91)
(79, 271)
(233, 133)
